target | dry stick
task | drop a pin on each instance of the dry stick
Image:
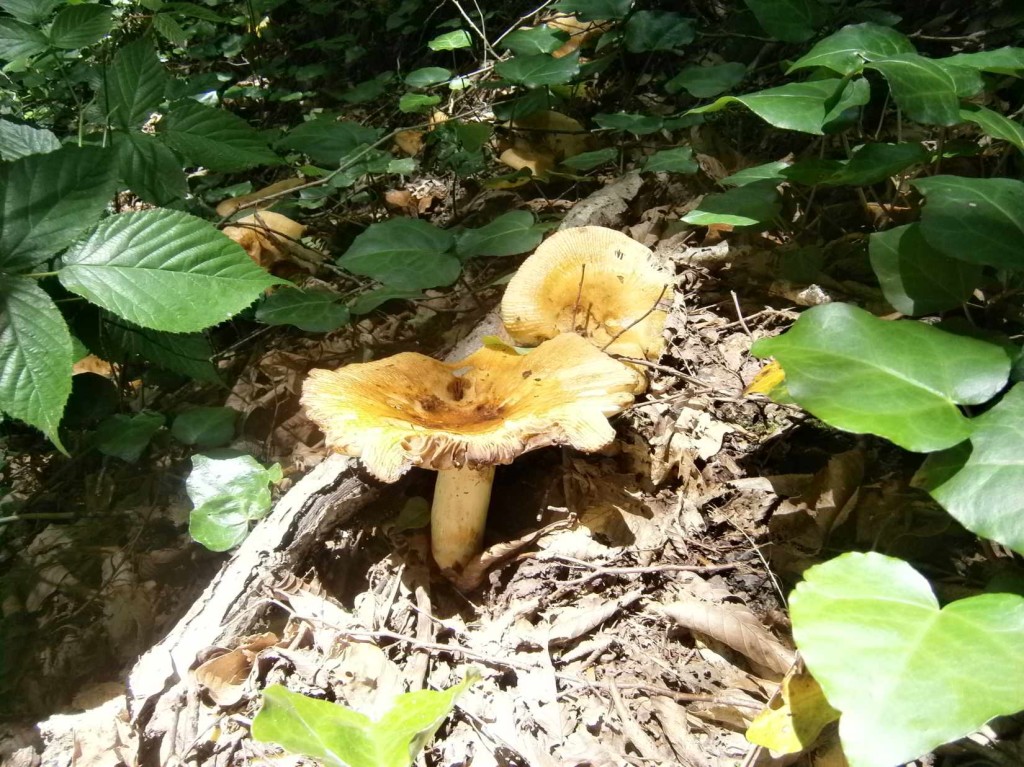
(664, 369)
(475, 28)
(521, 19)
(579, 294)
(637, 321)
(739, 314)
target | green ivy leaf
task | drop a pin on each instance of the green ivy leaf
(427, 76)
(79, 26)
(214, 138)
(637, 124)
(327, 140)
(706, 82)
(126, 436)
(507, 235)
(596, 10)
(30, 11)
(315, 311)
(227, 495)
(1002, 61)
(49, 199)
(791, 21)
(133, 86)
(417, 102)
(914, 277)
(18, 140)
(996, 125)
(528, 42)
(769, 171)
(149, 168)
(165, 270)
(976, 220)
(678, 160)
(900, 380)
(20, 41)
(590, 160)
(404, 253)
(742, 206)
(872, 633)
(847, 50)
(341, 737)
(205, 427)
(870, 164)
(451, 41)
(372, 299)
(657, 31)
(804, 107)
(539, 69)
(924, 89)
(982, 484)
(35, 356)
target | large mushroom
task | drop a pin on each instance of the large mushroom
(593, 281)
(463, 418)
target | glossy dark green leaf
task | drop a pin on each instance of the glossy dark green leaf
(169, 29)
(925, 90)
(205, 427)
(872, 163)
(589, 160)
(327, 141)
(417, 102)
(539, 69)
(227, 495)
(657, 31)
(35, 356)
(995, 124)
(637, 124)
(507, 235)
(368, 90)
(149, 168)
(1003, 61)
(427, 76)
(746, 205)
(595, 10)
(851, 47)
(120, 341)
(801, 107)
(769, 171)
(165, 270)
(18, 140)
(791, 21)
(133, 86)
(127, 436)
(315, 311)
(214, 138)
(974, 219)
(30, 11)
(873, 635)
(19, 40)
(708, 81)
(917, 279)
(534, 40)
(451, 41)
(49, 199)
(902, 380)
(404, 253)
(79, 26)
(678, 160)
(373, 299)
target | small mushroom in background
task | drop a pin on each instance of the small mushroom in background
(593, 281)
(463, 418)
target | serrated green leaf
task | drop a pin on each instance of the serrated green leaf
(169, 29)
(165, 270)
(451, 41)
(35, 356)
(30, 11)
(589, 160)
(417, 102)
(637, 124)
(976, 220)
(49, 199)
(872, 633)
(315, 311)
(507, 235)
(678, 160)
(996, 125)
(747, 205)
(133, 85)
(404, 253)
(194, 11)
(657, 31)
(770, 171)
(18, 40)
(214, 138)
(915, 278)
(706, 82)
(79, 26)
(126, 436)
(851, 47)
(791, 21)
(205, 427)
(804, 107)
(925, 90)
(327, 140)
(149, 168)
(527, 42)
(372, 299)
(427, 76)
(119, 341)
(18, 140)
(1003, 61)
(539, 69)
(595, 10)
(341, 737)
(227, 495)
(901, 380)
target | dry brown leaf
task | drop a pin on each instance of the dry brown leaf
(267, 237)
(579, 32)
(410, 141)
(93, 364)
(589, 613)
(473, 573)
(538, 162)
(734, 626)
(552, 132)
(224, 676)
(232, 204)
(676, 727)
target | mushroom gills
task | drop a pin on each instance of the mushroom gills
(458, 515)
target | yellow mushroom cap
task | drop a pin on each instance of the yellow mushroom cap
(593, 281)
(412, 410)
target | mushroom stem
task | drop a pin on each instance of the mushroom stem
(459, 514)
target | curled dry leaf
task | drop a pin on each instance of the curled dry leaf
(735, 626)
(224, 676)
(579, 32)
(270, 237)
(574, 622)
(538, 162)
(232, 204)
(410, 141)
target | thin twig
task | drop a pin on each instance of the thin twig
(637, 321)
(579, 294)
(478, 30)
(739, 313)
(522, 19)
